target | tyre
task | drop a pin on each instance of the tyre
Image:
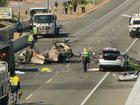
(132, 35)
(101, 68)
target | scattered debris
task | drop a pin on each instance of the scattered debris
(45, 69)
(19, 72)
(127, 76)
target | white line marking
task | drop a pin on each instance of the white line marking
(94, 89)
(68, 65)
(131, 45)
(29, 96)
(101, 18)
(49, 80)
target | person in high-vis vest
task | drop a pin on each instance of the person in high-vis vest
(30, 40)
(86, 59)
(70, 6)
(14, 84)
(83, 8)
(35, 32)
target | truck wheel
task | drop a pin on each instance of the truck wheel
(56, 31)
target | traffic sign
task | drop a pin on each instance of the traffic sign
(5, 13)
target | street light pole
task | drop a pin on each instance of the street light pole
(48, 5)
(19, 10)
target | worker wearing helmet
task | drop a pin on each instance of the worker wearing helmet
(85, 56)
(14, 84)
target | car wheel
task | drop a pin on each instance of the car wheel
(132, 35)
(101, 68)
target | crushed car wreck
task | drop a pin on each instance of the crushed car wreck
(60, 52)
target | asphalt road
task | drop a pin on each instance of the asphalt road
(67, 84)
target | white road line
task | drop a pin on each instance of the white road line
(68, 65)
(131, 45)
(94, 89)
(49, 80)
(29, 96)
(101, 18)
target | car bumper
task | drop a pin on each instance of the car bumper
(110, 63)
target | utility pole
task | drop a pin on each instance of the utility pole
(48, 5)
(19, 10)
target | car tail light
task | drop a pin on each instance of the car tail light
(120, 58)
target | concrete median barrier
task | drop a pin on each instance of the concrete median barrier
(20, 43)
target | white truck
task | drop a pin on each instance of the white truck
(46, 23)
(35, 10)
(134, 25)
(4, 84)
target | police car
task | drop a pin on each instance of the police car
(112, 57)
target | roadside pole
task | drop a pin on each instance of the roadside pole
(19, 10)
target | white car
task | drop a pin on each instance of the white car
(112, 57)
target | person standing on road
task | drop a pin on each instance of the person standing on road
(14, 85)
(86, 59)
(65, 6)
(55, 6)
(70, 4)
(83, 6)
(74, 6)
(30, 40)
(35, 32)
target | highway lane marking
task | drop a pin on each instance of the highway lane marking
(131, 45)
(105, 76)
(49, 80)
(68, 65)
(94, 89)
(113, 11)
(29, 96)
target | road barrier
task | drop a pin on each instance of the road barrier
(20, 43)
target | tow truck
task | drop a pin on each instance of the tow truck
(46, 23)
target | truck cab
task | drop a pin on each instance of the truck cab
(134, 25)
(46, 23)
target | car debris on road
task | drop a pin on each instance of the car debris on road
(127, 76)
(60, 52)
